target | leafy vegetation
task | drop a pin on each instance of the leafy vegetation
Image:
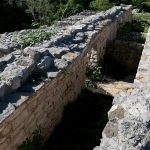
(144, 17)
(136, 2)
(135, 26)
(32, 37)
(139, 24)
(95, 74)
(101, 5)
(43, 12)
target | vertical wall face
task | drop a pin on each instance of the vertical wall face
(42, 109)
(126, 54)
(107, 34)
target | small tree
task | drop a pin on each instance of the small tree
(39, 10)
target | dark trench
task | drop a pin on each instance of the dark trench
(84, 120)
(82, 123)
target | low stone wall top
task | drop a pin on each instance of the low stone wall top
(53, 55)
(129, 118)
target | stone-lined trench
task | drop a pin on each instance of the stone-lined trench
(82, 123)
(84, 120)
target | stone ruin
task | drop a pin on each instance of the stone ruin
(38, 81)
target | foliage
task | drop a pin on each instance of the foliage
(144, 17)
(63, 10)
(95, 74)
(89, 84)
(32, 37)
(136, 2)
(128, 36)
(34, 144)
(45, 12)
(100, 5)
(35, 24)
(70, 8)
(135, 26)
(39, 10)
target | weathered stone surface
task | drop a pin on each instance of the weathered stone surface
(60, 63)
(52, 74)
(45, 63)
(114, 87)
(6, 60)
(69, 57)
(130, 113)
(57, 52)
(4, 49)
(16, 73)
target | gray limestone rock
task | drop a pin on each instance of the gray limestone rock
(13, 83)
(5, 60)
(45, 63)
(60, 63)
(16, 73)
(69, 57)
(4, 48)
(131, 117)
(3, 88)
(57, 52)
(52, 74)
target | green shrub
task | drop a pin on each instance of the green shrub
(70, 8)
(89, 84)
(100, 5)
(61, 10)
(136, 2)
(141, 17)
(95, 74)
(135, 26)
(32, 37)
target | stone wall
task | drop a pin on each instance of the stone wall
(127, 54)
(128, 127)
(38, 81)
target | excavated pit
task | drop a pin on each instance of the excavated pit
(79, 130)
(120, 64)
(121, 60)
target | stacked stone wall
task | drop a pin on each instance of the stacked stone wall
(129, 117)
(127, 54)
(27, 106)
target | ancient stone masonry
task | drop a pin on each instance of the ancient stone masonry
(38, 81)
(129, 118)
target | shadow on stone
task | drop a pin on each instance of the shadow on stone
(82, 123)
